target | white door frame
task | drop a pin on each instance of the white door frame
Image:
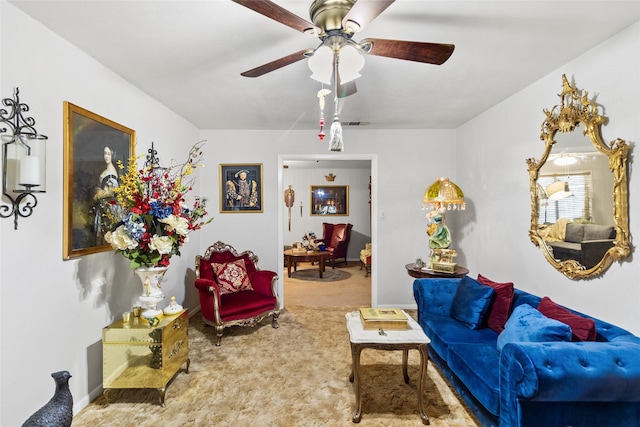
(374, 211)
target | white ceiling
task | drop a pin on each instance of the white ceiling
(189, 56)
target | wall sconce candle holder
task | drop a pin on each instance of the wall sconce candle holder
(23, 160)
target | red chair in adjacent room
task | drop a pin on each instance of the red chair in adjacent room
(233, 291)
(336, 239)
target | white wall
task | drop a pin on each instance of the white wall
(495, 226)
(52, 311)
(403, 164)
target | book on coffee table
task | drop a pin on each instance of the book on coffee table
(385, 318)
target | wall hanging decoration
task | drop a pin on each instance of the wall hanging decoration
(241, 188)
(330, 200)
(579, 189)
(23, 160)
(92, 147)
(289, 198)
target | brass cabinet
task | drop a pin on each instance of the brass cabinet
(136, 355)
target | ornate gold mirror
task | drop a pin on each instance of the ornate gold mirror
(579, 199)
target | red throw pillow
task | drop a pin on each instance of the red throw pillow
(500, 308)
(583, 329)
(232, 276)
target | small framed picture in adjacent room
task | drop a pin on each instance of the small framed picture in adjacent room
(241, 188)
(330, 200)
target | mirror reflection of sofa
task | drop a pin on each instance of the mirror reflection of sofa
(585, 243)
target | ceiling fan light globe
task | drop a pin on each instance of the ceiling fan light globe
(350, 62)
(565, 160)
(321, 64)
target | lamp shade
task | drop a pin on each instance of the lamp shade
(443, 194)
(558, 190)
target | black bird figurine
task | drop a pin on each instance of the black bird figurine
(58, 412)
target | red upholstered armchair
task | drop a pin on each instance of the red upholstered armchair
(336, 239)
(233, 291)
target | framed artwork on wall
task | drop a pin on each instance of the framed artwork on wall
(241, 188)
(330, 200)
(92, 147)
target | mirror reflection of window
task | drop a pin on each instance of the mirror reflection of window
(577, 206)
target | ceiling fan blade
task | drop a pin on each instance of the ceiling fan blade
(278, 63)
(347, 89)
(280, 14)
(430, 53)
(363, 12)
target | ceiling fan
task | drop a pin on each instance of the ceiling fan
(334, 23)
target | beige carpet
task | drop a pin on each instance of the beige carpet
(296, 375)
(305, 288)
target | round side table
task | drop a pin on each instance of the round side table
(420, 273)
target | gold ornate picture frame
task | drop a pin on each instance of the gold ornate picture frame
(329, 200)
(92, 147)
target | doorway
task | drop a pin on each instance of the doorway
(301, 214)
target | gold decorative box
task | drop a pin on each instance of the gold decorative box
(444, 267)
(136, 355)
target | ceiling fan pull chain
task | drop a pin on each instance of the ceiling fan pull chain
(335, 142)
(321, 94)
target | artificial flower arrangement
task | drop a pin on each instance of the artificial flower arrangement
(155, 221)
(310, 241)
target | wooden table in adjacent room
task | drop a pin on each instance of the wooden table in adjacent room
(293, 258)
(405, 340)
(421, 273)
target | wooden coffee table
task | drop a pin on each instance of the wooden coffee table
(293, 258)
(412, 338)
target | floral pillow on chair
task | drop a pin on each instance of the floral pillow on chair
(232, 276)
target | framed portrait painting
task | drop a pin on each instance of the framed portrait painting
(241, 188)
(330, 200)
(92, 147)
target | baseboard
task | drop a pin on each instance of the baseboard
(87, 399)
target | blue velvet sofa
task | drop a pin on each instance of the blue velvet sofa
(551, 384)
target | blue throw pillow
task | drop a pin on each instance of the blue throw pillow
(526, 324)
(471, 302)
